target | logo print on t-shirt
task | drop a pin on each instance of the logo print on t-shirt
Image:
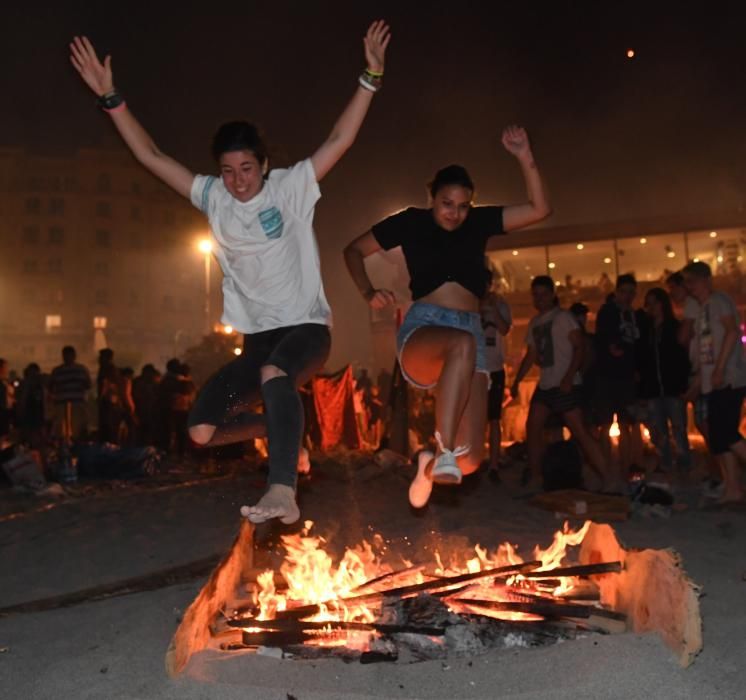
(544, 344)
(271, 221)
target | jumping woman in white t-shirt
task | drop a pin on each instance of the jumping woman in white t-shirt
(440, 343)
(261, 223)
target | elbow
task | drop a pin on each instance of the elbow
(543, 211)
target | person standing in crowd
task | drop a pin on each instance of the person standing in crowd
(664, 378)
(167, 391)
(555, 344)
(7, 399)
(30, 407)
(128, 425)
(181, 403)
(617, 334)
(496, 322)
(69, 385)
(110, 412)
(262, 228)
(721, 375)
(144, 396)
(440, 344)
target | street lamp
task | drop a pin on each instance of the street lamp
(205, 247)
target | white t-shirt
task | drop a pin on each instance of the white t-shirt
(267, 250)
(495, 342)
(549, 334)
(709, 336)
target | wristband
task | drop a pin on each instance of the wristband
(110, 101)
(374, 73)
(370, 84)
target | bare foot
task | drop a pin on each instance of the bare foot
(278, 502)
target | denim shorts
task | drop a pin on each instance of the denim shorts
(423, 315)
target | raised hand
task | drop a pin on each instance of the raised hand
(515, 140)
(376, 40)
(96, 75)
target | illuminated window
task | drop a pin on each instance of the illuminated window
(53, 322)
(99, 321)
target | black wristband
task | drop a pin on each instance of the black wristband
(110, 100)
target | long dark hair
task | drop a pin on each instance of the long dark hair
(661, 296)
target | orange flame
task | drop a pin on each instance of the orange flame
(313, 578)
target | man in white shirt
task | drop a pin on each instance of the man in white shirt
(554, 343)
(721, 376)
(262, 227)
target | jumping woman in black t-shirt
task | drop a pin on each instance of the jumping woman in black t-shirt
(440, 343)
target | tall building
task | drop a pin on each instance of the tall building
(96, 252)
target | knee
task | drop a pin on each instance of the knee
(462, 346)
(268, 372)
(201, 434)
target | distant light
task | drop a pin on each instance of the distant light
(557, 284)
(515, 252)
(630, 53)
(237, 351)
(227, 330)
(643, 241)
(607, 260)
(580, 246)
(739, 258)
(713, 234)
(551, 266)
(670, 254)
(204, 245)
(695, 260)
(528, 267)
(720, 258)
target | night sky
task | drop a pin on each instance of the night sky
(616, 138)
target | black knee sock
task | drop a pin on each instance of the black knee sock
(284, 420)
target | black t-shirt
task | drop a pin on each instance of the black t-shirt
(434, 255)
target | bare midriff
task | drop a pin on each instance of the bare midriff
(451, 295)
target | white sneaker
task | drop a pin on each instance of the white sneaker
(421, 486)
(446, 470)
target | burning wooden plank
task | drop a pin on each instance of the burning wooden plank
(653, 590)
(193, 634)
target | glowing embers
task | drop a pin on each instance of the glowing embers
(365, 606)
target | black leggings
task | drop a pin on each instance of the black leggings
(228, 398)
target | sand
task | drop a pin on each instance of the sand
(115, 648)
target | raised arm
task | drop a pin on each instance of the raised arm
(345, 130)
(98, 77)
(515, 216)
(355, 254)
